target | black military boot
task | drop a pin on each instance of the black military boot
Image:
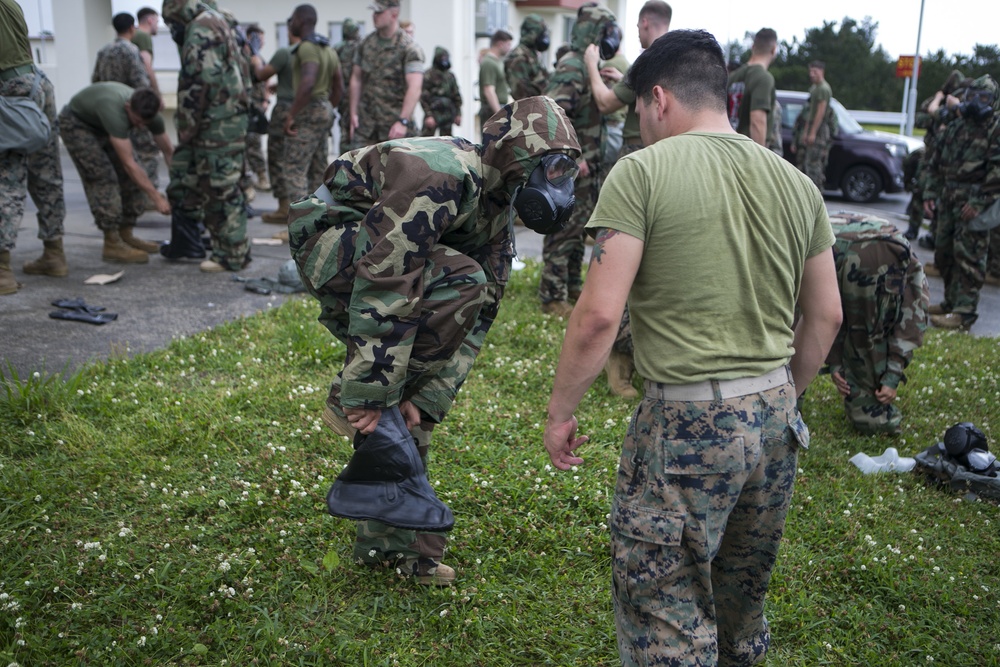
(385, 480)
(185, 239)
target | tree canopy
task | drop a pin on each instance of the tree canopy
(861, 73)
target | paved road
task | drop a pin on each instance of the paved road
(160, 300)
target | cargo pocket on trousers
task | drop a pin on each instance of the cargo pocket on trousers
(644, 554)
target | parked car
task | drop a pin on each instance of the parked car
(863, 163)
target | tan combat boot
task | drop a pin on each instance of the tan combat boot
(8, 285)
(129, 237)
(279, 217)
(116, 250)
(51, 263)
(558, 308)
(263, 182)
(619, 369)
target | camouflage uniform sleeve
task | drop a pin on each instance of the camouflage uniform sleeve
(456, 93)
(908, 334)
(427, 93)
(835, 357)
(984, 196)
(200, 61)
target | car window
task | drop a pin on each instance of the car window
(846, 121)
(789, 112)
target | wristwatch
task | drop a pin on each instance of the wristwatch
(405, 122)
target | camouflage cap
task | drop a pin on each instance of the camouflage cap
(383, 5)
(516, 137)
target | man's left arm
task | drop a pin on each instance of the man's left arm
(821, 315)
(166, 147)
(307, 82)
(590, 333)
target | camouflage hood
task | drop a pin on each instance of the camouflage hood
(440, 52)
(532, 26)
(988, 83)
(350, 29)
(517, 136)
(184, 11)
(589, 24)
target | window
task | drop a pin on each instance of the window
(491, 15)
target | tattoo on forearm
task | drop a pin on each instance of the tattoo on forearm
(602, 236)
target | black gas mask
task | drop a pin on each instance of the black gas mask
(543, 41)
(442, 63)
(177, 31)
(978, 105)
(967, 445)
(546, 201)
(611, 40)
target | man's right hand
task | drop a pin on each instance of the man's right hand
(592, 56)
(363, 419)
(162, 205)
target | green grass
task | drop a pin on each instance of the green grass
(169, 509)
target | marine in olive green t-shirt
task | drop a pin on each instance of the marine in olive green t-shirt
(101, 106)
(143, 40)
(491, 73)
(326, 61)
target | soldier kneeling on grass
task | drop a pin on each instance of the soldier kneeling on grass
(885, 299)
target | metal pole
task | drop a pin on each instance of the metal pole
(912, 113)
(41, 31)
(906, 105)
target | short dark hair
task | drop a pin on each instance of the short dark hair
(764, 40)
(818, 64)
(254, 29)
(688, 63)
(657, 10)
(122, 22)
(307, 13)
(145, 102)
(501, 36)
(144, 12)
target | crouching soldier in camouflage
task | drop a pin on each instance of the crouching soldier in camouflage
(408, 247)
(212, 108)
(885, 298)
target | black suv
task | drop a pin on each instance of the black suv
(863, 163)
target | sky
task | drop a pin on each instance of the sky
(953, 25)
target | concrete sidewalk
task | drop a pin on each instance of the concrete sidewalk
(158, 301)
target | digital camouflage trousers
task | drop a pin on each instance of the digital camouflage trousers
(699, 510)
(115, 200)
(38, 174)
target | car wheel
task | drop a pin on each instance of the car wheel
(861, 184)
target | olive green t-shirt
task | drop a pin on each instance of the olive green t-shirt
(491, 74)
(102, 107)
(14, 48)
(143, 40)
(630, 133)
(281, 61)
(324, 57)
(727, 227)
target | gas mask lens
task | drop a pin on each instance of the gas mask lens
(559, 168)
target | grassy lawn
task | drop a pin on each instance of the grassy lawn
(169, 509)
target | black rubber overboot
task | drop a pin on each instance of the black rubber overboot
(385, 480)
(185, 239)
